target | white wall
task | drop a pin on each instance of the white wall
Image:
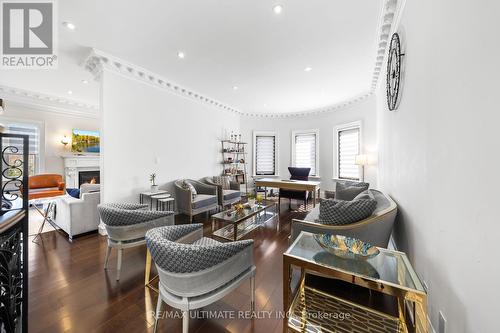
(439, 157)
(54, 125)
(147, 129)
(364, 111)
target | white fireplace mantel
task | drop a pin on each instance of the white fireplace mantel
(74, 164)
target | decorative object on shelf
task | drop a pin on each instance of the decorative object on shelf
(152, 179)
(394, 73)
(259, 198)
(346, 247)
(65, 140)
(239, 208)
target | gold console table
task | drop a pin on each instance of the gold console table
(390, 272)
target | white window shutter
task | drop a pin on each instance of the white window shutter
(305, 151)
(348, 148)
(23, 129)
(265, 152)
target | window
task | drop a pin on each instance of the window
(34, 143)
(265, 154)
(305, 150)
(348, 139)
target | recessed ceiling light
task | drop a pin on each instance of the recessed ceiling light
(235, 88)
(85, 81)
(181, 55)
(277, 9)
(307, 69)
(69, 25)
(70, 92)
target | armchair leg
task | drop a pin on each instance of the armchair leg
(106, 259)
(252, 293)
(158, 312)
(185, 321)
(119, 264)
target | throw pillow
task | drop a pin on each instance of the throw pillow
(348, 191)
(364, 195)
(222, 181)
(340, 212)
(188, 186)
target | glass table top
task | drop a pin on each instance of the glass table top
(388, 266)
(232, 216)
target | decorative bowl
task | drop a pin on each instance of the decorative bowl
(346, 247)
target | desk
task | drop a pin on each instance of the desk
(298, 185)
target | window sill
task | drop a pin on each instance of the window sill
(265, 176)
(349, 180)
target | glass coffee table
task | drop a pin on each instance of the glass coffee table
(390, 272)
(237, 225)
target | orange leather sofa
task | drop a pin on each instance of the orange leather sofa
(45, 186)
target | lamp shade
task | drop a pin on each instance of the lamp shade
(361, 160)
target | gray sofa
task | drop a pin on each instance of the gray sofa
(228, 196)
(375, 229)
(205, 200)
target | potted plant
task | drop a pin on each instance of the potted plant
(259, 198)
(152, 179)
(251, 199)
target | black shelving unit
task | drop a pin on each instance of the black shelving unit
(14, 233)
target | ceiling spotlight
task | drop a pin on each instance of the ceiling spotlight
(181, 55)
(277, 9)
(69, 25)
(235, 88)
(308, 69)
(85, 81)
(70, 92)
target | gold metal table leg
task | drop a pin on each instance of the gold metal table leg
(147, 273)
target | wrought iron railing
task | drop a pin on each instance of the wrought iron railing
(14, 233)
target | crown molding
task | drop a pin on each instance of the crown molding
(389, 17)
(99, 61)
(332, 108)
(48, 103)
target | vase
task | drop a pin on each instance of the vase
(154, 188)
(251, 202)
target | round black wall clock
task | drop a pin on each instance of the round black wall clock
(394, 74)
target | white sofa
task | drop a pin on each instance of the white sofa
(78, 216)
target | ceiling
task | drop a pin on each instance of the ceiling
(226, 43)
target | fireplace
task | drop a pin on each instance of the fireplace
(88, 177)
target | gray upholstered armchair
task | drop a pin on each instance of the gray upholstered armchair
(376, 229)
(196, 271)
(228, 196)
(205, 199)
(127, 224)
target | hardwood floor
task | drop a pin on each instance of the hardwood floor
(71, 292)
